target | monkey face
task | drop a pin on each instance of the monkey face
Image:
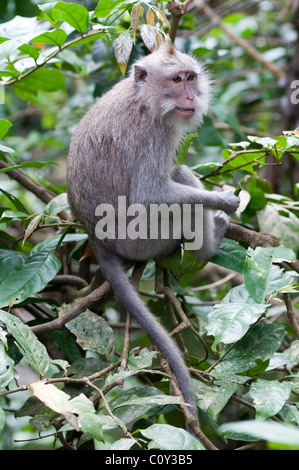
(183, 86)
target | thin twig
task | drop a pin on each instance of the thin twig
(291, 314)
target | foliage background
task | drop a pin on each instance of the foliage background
(238, 313)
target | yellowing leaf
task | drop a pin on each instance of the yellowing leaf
(32, 226)
(150, 18)
(122, 49)
(137, 10)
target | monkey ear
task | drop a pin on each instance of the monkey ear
(139, 73)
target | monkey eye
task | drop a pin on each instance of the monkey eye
(191, 77)
(177, 78)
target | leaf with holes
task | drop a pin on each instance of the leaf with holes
(93, 333)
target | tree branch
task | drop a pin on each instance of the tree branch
(176, 10)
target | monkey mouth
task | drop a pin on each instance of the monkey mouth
(185, 112)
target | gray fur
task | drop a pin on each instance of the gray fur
(126, 145)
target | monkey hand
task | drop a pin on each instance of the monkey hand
(230, 202)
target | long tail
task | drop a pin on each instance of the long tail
(115, 274)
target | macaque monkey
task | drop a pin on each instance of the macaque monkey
(126, 145)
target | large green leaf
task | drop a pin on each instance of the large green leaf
(167, 437)
(256, 347)
(10, 261)
(56, 37)
(93, 333)
(231, 255)
(228, 322)
(32, 349)
(75, 15)
(61, 402)
(256, 273)
(6, 367)
(269, 397)
(41, 79)
(267, 431)
(128, 413)
(28, 278)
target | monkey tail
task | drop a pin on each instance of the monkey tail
(115, 274)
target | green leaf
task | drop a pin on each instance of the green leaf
(27, 165)
(257, 346)
(30, 278)
(10, 261)
(93, 333)
(75, 15)
(12, 152)
(280, 253)
(50, 243)
(4, 126)
(62, 403)
(122, 444)
(228, 322)
(184, 148)
(56, 37)
(6, 368)
(15, 201)
(269, 397)
(32, 349)
(256, 273)
(128, 413)
(43, 79)
(226, 390)
(267, 431)
(104, 7)
(56, 205)
(32, 51)
(231, 255)
(280, 222)
(167, 437)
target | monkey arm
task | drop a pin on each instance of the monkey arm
(173, 192)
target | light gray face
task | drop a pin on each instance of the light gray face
(177, 84)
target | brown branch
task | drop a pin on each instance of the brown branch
(79, 306)
(69, 280)
(291, 314)
(249, 237)
(40, 191)
(177, 10)
(135, 279)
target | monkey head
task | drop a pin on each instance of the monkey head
(173, 84)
